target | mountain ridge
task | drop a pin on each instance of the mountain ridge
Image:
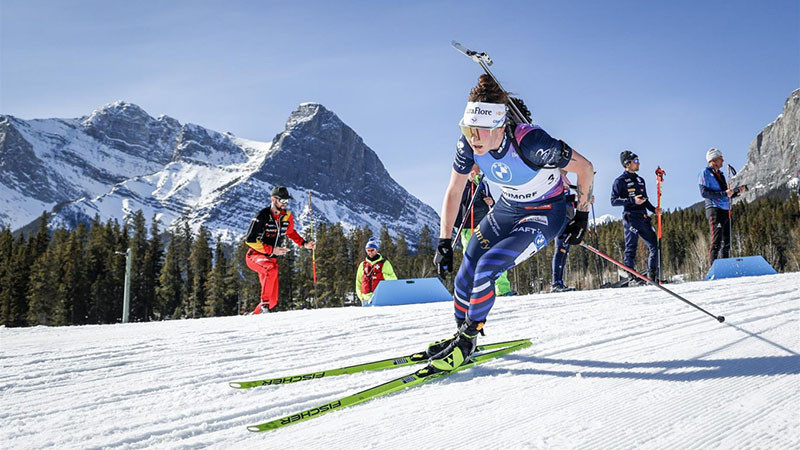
(119, 159)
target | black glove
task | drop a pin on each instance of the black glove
(444, 257)
(576, 228)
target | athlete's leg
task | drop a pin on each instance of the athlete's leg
(631, 242)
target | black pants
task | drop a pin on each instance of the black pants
(720, 224)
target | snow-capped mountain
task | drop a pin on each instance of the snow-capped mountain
(602, 220)
(773, 159)
(119, 160)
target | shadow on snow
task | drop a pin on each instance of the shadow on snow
(674, 370)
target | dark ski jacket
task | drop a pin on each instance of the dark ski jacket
(267, 231)
(625, 188)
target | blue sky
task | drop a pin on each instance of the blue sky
(664, 79)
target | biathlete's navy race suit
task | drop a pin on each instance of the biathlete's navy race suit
(530, 213)
(526, 163)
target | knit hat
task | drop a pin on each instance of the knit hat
(626, 157)
(372, 243)
(713, 154)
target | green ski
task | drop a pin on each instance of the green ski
(413, 379)
(391, 363)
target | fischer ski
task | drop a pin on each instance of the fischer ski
(390, 363)
(412, 379)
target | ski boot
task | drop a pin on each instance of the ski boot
(635, 281)
(559, 287)
(459, 349)
(438, 346)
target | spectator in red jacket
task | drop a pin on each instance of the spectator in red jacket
(265, 239)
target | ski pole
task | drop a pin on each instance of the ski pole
(660, 177)
(464, 219)
(720, 319)
(596, 240)
(313, 251)
(730, 210)
(485, 61)
(461, 227)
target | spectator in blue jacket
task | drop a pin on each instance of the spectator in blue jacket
(717, 197)
(629, 191)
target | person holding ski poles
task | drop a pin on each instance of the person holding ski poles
(717, 198)
(477, 186)
(630, 192)
(265, 238)
(525, 162)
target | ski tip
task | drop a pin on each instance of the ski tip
(253, 428)
(236, 385)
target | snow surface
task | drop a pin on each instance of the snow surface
(609, 369)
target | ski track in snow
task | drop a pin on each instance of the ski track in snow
(609, 369)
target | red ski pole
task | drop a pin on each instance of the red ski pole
(313, 251)
(597, 252)
(660, 177)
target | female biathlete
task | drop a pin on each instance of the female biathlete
(525, 162)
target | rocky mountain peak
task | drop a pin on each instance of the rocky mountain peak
(128, 128)
(773, 157)
(308, 112)
(320, 151)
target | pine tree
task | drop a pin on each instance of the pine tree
(400, 258)
(339, 265)
(119, 240)
(200, 266)
(6, 258)
(325, 273)
(139, 289)
(153, 259)
(170, 282)
(60, 309)
(425, 251)
(41, 240)
(186, 241)
(305, 290)
(249, 286)
(217, 303)
(73, 287)
(16, 284)
(42, 290)
(231, 285)
(387, 243)
(286, 278)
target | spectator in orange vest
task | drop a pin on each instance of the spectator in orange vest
(374, 269)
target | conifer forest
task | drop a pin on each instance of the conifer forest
(74, 277)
